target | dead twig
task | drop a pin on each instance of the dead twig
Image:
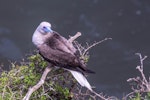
(142, 84)
(140, 68)
(94, 44)
(84, 50)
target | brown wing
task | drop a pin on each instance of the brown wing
(60, 53)
(59, 57)
(64, 42)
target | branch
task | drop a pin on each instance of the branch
(72, 38)
(126, 97)
(94, 44)
(142, 84)
(100, 96)
(79, 47)
(38, 85)
(140, 68)
(141, 60)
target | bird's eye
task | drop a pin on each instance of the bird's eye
(44, 27)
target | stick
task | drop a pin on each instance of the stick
(38, 85)
(100, 96)
(72, 38)
(140, 68)
(94, 44)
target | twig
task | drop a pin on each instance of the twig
(98, 95)
(94, 44)
(140, 68)
(79, 47)
(142, 84)
(141, 60)
(126, 97)
(38, 85)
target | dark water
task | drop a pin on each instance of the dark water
(127, 22)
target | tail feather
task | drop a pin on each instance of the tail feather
(86, 70)
(81, 79)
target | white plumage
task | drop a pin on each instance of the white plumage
(81, 79)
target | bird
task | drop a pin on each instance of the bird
(58, 51)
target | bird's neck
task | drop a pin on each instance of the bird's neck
(39, 39)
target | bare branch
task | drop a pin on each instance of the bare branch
(79, 47)
(140, 68)
(72, 38)
(38, 85)
(142, 84)
(94, 44)
(98, 95)
(126, 97)
(141, 60)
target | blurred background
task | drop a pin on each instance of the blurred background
(127, 22)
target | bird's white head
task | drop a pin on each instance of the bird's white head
(44, 28)
(41, 33)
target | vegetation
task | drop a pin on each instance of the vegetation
(15, 83)
(59, 83)
(140, 85)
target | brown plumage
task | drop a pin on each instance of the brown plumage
(58, 51)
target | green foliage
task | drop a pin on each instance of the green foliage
(59, 84)
(137, 97)
(141, 96)
(85, 58)
(147, 96)
(63, 92)
(14, 83)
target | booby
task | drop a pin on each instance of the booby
(58, 51)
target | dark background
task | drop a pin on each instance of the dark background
(127, 22)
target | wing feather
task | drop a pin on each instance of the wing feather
(60, 52)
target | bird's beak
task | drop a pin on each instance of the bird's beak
(48, 29)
